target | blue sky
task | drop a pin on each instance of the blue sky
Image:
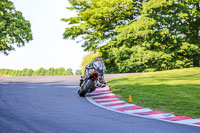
(48, 49)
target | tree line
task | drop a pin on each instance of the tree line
(39, 72)
(138, 35)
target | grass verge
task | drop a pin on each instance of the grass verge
(173, 91)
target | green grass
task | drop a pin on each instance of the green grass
(174, 91)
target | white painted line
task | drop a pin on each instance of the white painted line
(103, 95)
(105, 99)
(99, 93)
(138, 110)
(107, 87)
(189, 121)
(159, 116)
(106, 103)
(122, 106)
(102, 89)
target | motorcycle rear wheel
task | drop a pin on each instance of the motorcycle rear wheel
(86, 87)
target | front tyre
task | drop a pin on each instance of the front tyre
(82, 91)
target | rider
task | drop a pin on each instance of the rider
(99, 66)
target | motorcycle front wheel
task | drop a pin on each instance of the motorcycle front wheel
(83, 90)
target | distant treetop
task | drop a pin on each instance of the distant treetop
(14, 29)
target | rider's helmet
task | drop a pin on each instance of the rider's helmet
(98, 58)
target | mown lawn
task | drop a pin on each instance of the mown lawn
(174, 91)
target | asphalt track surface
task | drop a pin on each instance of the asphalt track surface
(52, 105)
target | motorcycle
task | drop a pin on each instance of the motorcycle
(90, 82)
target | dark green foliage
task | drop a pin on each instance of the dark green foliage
(14, 29)
(96, 20)
(39, 72)
(139, 35)
(164, 37)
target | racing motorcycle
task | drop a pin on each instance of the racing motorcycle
(90, 81)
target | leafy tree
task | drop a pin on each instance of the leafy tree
(39, 72)
(140, 35)
(18, 73)
(23, 72)
(28, 72)
(1, 71)
(109, 55)
(78, 72)
(164, 37)
(55, 71)
(96, 20)
(50, 72)
(15, 73)
(11, 72)
(6, 71)
(14, 29)
(60, 71)
(70, 71)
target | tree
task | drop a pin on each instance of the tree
(97, 20)
(164, 37)
(11, 72)
(138, 35)
(39, 72)
(14, 29)
(18, 73)
(70, 71)
(78, 72)
(50, 72)
(60, 71)
(27, 72)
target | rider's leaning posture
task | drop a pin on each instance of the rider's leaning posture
(98, 66)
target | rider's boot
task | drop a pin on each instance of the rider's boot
(103, 83)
